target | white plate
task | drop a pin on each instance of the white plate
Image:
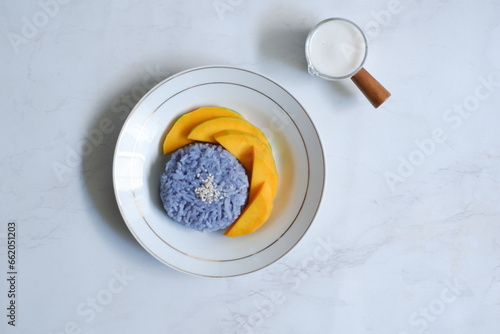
(139, 162)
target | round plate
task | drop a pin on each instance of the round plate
(139, 162)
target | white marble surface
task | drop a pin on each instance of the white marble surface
(407, 239)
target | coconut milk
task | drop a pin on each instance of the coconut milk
(336, 49)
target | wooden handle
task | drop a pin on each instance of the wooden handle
(371, 88)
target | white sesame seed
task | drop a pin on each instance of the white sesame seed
(208, 191)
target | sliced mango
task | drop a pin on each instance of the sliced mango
(205, 131)
(262, 172)
(255, 214)
(243, 145)
(178, 135)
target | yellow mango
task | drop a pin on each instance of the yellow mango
(243, 146)
(262, 172)
(178, 135)
(255, 214)
(205, 131)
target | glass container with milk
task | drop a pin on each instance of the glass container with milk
(336, 49)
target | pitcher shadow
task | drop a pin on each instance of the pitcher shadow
(282, 45)
(103, 134)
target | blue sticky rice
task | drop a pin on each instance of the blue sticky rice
(204, 187)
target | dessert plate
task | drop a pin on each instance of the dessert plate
(139, 162)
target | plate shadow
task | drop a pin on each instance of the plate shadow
(102, 134)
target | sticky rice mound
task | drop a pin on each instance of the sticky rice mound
(204, 187)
